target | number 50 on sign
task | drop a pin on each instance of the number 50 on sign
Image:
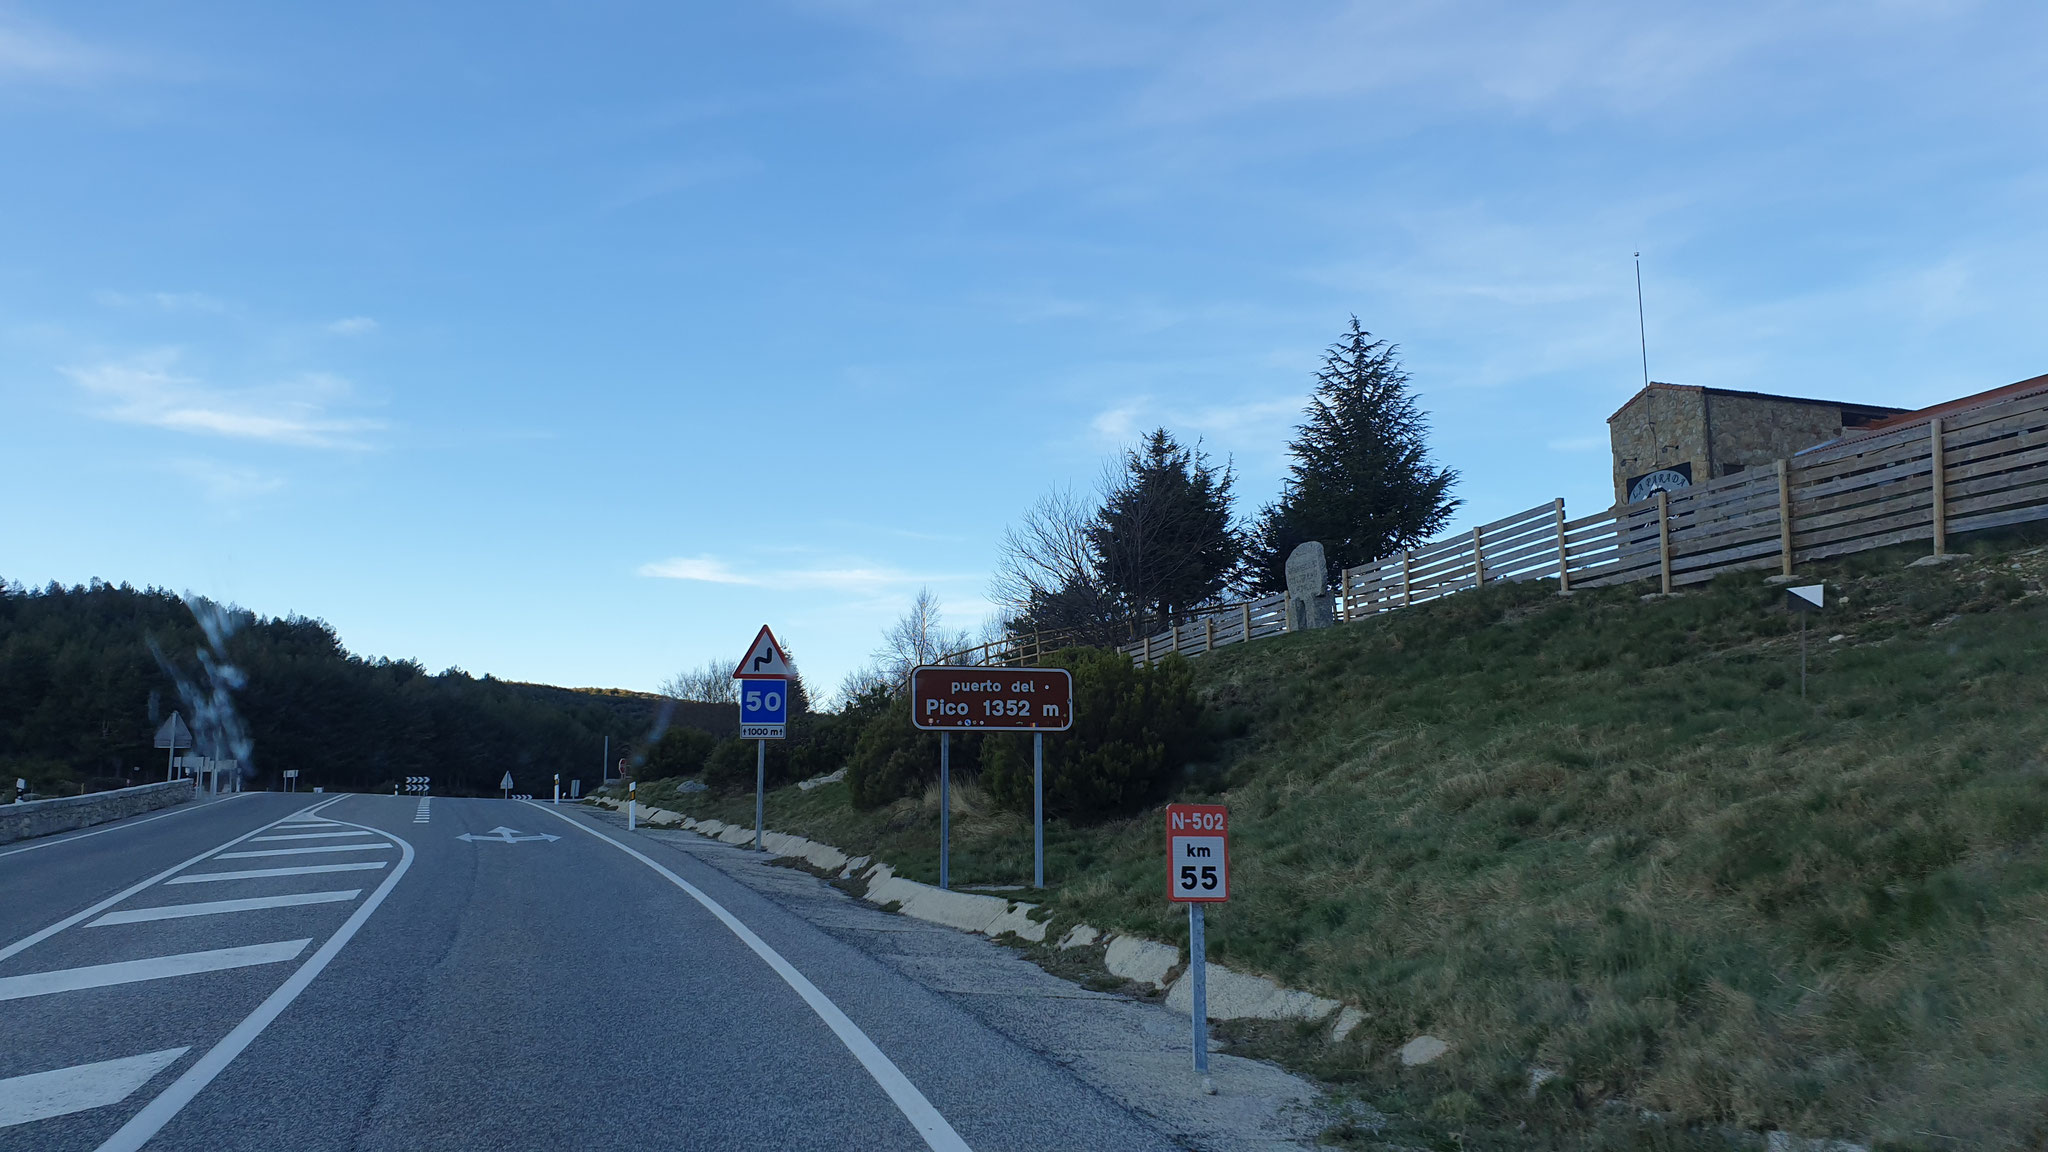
(1197, 853)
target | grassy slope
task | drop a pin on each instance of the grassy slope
(1607, 837)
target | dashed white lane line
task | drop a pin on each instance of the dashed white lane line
(62, 1091)
(216, 907)
(379, 846)
(149, 968)
(260, 873)
(309, 836)
(938, 1134)
(158, 1112)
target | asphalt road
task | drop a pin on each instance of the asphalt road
(323, 972)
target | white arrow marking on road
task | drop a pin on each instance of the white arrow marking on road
(504, 835)
(62, 1091)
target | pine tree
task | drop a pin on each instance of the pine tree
(1361, 482)
(1163, 539)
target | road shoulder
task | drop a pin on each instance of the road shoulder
(1134, 1052)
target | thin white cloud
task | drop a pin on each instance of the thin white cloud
(856, 578)
(29, 55)
(353, 326)
(703, 569)
(167, 301)
(147, 390)
(223, 483)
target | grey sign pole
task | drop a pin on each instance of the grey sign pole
(1038, 809)
(760, 788)
(1198, 965)
(945, 808)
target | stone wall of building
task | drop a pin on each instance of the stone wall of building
(64, 813)
(1750, 431)
(1663, 426)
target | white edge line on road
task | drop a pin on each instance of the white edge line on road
(188, 806)
(937, 1133)
(36, 938)
(145, 1124)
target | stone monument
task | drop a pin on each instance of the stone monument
(1309, 603)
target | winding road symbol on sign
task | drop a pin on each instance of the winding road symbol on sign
(504, 835)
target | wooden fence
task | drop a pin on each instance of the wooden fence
(1984, 467)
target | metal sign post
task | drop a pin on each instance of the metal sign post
(632, 805)
(947, 699)
(764, 710)
(558, 787)
(1805, 600)
(1198, 873)
(1038, 809)
(171, 737)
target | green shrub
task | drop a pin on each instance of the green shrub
(1135, 730)
(893, 760)
(681, 751)
(731, 765)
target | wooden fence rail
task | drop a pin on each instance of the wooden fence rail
(1986, 467)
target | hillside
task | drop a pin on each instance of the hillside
(86, 673)
(1605, 837)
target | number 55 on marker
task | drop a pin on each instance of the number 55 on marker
(1197, 853)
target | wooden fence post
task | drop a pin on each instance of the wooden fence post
(1478, 561)
(1404, 576)
(1934, 435)
(1784, 519)
(1208, 634)
(1664, 537)
(1343, 595)
(1247, 621)
(1564, 574)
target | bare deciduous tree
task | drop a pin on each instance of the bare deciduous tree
(712, 683)
(920, 637)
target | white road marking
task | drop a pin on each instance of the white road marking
(158, 1112)
(259, 873)
(150, 968)
(62, 1091)
(214, 907)
(310, 836)
(35, 938)
(937, 1133)
(187, 806)
(379, 846)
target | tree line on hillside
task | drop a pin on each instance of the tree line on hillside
(88, 673)
(1163, 536)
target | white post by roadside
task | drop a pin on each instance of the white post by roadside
(558, 787)
(632, 799)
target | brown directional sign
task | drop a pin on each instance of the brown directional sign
(946, 699)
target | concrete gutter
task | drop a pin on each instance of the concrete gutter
(1232, 995)
(65, 813)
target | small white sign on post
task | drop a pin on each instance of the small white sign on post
(1198, 873)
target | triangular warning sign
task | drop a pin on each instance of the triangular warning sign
(1811, 594)
(174, 735)
(506, 782)
(765, 660)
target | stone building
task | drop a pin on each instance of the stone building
(1671, 436)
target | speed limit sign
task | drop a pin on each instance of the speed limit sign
(1197, 853)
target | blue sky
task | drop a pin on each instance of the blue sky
(571, 342)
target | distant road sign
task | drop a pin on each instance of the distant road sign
(506, 782)
(946, 699)
(291, 773)
(1197, 853)
(764, 709)
(418, 783)
(174, 734)
(764, 660)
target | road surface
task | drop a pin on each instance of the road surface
(382, 972)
